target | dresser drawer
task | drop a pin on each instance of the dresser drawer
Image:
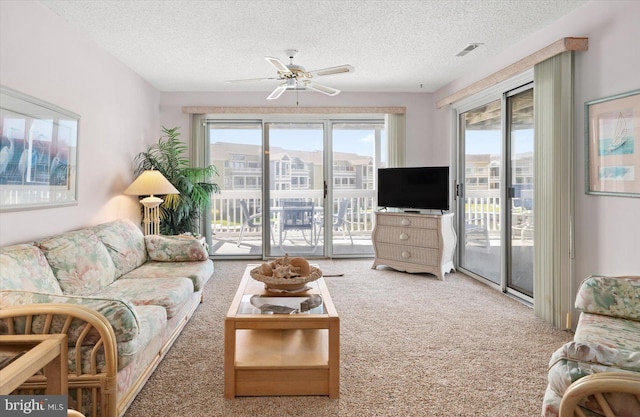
(423, 222)
(427, 238)
(410, 254)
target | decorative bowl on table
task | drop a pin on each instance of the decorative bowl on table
(286, 274)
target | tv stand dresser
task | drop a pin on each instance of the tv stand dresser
(412, 242)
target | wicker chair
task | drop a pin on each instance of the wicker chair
(92, 388)
(598, 387)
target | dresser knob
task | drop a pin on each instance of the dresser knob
(406, 255)
(405, 222)
(404, 236)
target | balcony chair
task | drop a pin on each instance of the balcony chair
(524, 225)
(475, 230)
(340, 222)
(249, 221)
(298, 216)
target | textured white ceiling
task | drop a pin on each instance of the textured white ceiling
(394, 45)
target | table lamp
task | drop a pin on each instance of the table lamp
(149, 183)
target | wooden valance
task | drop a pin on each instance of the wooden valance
(558, 47)
(292, 110)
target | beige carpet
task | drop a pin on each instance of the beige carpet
(410, 346)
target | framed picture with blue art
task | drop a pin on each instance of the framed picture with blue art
(38, 153)
(612, 130)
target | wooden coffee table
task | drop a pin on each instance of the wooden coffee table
(281, 349)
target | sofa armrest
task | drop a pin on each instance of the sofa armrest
(603, 389)
(610, 296)
(175, 248)
(119, 313)
(85, 383)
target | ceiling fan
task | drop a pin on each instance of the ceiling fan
(296, 77)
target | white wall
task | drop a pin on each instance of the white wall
(607, 228)
(420, 149)
(42, 56)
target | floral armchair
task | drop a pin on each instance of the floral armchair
(598, 373)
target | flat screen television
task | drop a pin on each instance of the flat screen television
(414, 188)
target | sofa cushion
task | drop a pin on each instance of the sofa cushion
(119, 313)
(170, 293)
(124, 242)
(611, 296)
(610, 332)
(198, 272)
(175, 248)
(152, 319)
(24, 267)
(79, 261)
(153, 322)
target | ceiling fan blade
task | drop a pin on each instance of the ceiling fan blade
(277, 92)
(330, 91)
(282, 68)
(341, 69)
(251, 79)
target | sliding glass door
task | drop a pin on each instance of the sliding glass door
(481, 243)
(304, 187)
(495, 191)
(296, 188)
(520, 179)
(354, 146)
(236, 214)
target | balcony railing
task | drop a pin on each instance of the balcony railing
(482, 208)
(227, 217)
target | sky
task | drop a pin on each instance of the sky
(360, 142)
(480, 142)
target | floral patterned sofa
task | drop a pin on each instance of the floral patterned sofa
(122, 299)
(598, 373)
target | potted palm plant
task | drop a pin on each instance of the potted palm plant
(179, 213)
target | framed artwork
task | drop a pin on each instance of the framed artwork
(612, 129)
(38, 153)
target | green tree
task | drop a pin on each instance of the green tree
(179, 213)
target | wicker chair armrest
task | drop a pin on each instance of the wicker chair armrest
(597, 385)
(94, 323)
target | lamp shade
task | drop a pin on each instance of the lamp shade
(151, 183)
